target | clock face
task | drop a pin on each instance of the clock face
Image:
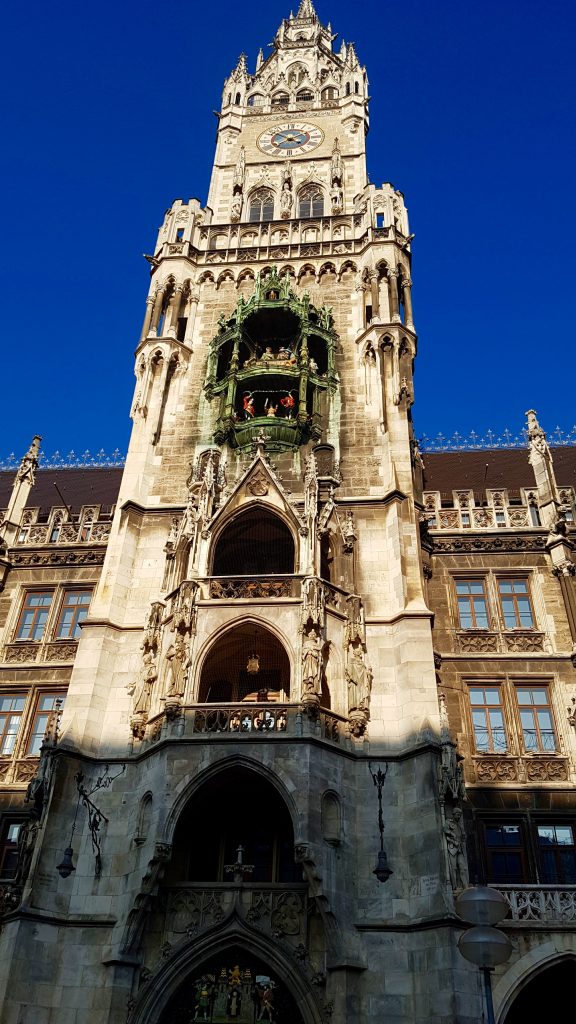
(292, 139)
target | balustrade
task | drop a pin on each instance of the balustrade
(542, 904)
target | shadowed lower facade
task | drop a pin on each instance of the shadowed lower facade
(210, 657)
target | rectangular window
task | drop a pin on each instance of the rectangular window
(505, 853)
(536, 719)
(557, 854)
(46, 704)
(11, 708)
(34, 615)
(488, 720)
(515, 604)
(472, 605)
(73, 611)
(9, 849)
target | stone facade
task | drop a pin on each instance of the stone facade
(280, 616)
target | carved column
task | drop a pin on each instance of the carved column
(147, 317)
(375, 294)
(194, 297)
(173, 310)
(156, 310)
(407, 298)
(393, 292)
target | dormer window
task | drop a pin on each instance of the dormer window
(261, 206)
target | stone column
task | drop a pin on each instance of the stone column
(393, 291)
(156, 310)
(173, 311)
(407, 298)
(147, 317)
(375, 294)
(194, 297)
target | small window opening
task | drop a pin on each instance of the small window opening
(380, 220)
(179, 234)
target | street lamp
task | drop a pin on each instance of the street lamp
(484, 945)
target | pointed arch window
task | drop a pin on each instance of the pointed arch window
(305, 96)
(281, 99)
(261, 206)
(311, 202)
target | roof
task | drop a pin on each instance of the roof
(92, 485)
(492, 468)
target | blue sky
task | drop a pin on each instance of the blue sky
(108, 117)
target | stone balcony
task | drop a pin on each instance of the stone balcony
(257, 722)
(543, 906)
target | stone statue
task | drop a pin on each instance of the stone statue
(236, 208)
(349, 532)
(286, 200)
(311, 664)
(359, 679)
(456, 842)
(145, 683)
(336, 199)
(177, 664)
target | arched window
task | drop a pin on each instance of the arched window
(255, 543)
(305, 96)
(261, 206)
(281, 99)
(256, 100)
(237, 100)
(311, 202)
(247, 664)
(331, 818)
(356, 87)
(329, 93)
(347, 88)
(236, 808)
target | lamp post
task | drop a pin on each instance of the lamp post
(484, 945)
(382, 871)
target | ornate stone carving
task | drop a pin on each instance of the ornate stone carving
(456, 545)
(29, 465)
(496, 770)
(145, 900)
(313, 603)
(244, 719)
(478, 643)
(61, 558)
(60, 651)
(451, 779)
(349, 532)
(258, 484)
(524, 642)
(250, 588)
(359, 683)
(311, 667)
(551, 770)
(21, 652)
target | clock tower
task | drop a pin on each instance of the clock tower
(254, 694)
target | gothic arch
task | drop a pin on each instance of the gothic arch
(348, 265)
(247, 622)
(188, 958)
(308, 268)
(285, 788)
(252, 507)
(205, 277)
(224, 277)
(326, 268)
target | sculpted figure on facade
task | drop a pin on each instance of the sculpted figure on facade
(236, 208)
(177, 665)
(455, 834)
(286, 201)
(142, 691)
(358, 678)
(311, 667)
(313, 605)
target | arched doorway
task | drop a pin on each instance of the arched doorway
(255, 543)
(247, 663)
(233, 986)
(551, 987)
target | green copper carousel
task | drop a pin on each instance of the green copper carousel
(271, 367)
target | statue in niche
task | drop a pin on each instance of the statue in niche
(355, 626)
(455, 834)
(349, 532)
(236, 208)
(142, 692)
(153, 626)
(286, 201)
(359, 678)
(311, 665)
(177, 666)
(336, 199)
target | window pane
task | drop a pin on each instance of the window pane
(492, 696)
(524, 696)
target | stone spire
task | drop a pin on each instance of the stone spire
(23, 484)
(306, 10)
(540, 458)
(241, 70)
